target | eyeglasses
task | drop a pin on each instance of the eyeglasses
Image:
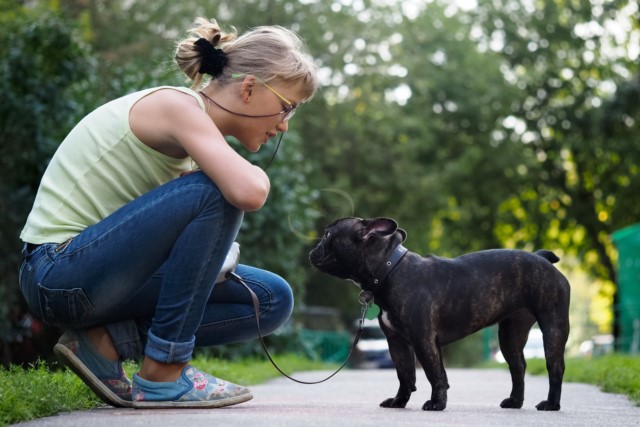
(288, 111)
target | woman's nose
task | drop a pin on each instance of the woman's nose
(282, 126)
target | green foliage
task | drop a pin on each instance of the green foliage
(42, 66)
(574, 122)
(42, 61)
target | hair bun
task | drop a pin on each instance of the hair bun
(213, 60)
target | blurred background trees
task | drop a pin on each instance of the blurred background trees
(475, 124)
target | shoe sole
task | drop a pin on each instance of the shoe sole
(70, 360)
(146, 404)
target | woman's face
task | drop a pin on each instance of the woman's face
(276, 99)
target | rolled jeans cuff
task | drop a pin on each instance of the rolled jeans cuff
(126, 339)
(167, 351)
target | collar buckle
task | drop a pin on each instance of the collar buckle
(383, 271)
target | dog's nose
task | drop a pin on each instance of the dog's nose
(315, 255)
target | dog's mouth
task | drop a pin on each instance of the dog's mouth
(319, 258)
(323, 259)
(327, 262)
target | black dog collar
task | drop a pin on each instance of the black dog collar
(383, 271)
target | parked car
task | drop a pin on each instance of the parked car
(598, 345)
(372, 351)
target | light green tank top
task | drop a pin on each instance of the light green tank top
(100, 166)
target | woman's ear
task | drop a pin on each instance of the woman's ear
(246, 88)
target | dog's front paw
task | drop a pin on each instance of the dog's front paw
(511, 403)
(394, 402)
(545, 405)
(432, 405)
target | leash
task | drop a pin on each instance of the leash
(366, 299)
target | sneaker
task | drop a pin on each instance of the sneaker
(104, 377)
(194, 389)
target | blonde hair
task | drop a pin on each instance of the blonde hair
(271, 53)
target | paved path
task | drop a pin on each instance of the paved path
(351, 398)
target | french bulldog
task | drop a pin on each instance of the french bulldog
(430, 301)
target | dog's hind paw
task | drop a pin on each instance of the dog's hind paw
(511, 403)
(430, 405)
(394, 402)
(545, 405)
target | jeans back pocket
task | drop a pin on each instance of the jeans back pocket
(64, 307)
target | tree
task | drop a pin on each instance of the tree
(576, 121)
(43, 68)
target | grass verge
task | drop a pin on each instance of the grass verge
(38, 391)
(613, 373)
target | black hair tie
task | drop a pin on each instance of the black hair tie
(213, 60)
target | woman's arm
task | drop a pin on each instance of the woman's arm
(173, 123)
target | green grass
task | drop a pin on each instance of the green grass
(36, 392)
(614, 373)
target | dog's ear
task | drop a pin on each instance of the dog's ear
(379, 227)
(403, 233)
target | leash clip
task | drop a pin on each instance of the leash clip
(370, 310)
(366, 297)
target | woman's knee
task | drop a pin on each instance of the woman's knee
(277, 311)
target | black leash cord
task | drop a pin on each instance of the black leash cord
(256, 307)
(274, 152)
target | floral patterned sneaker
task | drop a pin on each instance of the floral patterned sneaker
(194, 389)
(105, 378)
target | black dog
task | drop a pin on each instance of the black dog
(428, 302)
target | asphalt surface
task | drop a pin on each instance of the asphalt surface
(351, 398)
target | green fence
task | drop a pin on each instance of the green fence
(321, 333)
(326, 345)
(627, 240)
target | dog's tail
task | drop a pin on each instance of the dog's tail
(548, 255)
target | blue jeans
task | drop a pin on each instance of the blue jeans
(147, 273)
